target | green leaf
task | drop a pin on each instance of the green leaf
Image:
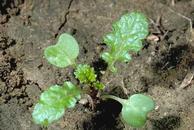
(85, 74)
(64, 52)
(44, 114)
(127, 35)
(53, 103)
(135, 109)
(98, 85)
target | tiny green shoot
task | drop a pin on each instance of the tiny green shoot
(135, 108)
(99, 85)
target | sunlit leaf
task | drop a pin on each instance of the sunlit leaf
(53, 103)
(135, 110)
(127, 35)
(64, 52)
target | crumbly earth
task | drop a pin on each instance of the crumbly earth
(29, 26)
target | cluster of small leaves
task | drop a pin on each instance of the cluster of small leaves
(85, 74)
(53, 102)
(126, 35)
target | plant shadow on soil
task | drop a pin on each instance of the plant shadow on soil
(99, 65)
(106, 117)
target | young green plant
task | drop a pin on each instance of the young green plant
(126, 36)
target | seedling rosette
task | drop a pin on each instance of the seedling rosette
(126, 36)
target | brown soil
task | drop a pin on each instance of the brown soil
(28, 26)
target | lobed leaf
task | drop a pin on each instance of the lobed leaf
(127, 35)
(64, 52)
(53, 103)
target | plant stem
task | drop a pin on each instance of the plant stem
(120, 100)
(74, 64)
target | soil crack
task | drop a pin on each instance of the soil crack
(65, 20)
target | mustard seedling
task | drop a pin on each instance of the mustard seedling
(126, 36)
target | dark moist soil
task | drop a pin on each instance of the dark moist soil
(29, 26)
